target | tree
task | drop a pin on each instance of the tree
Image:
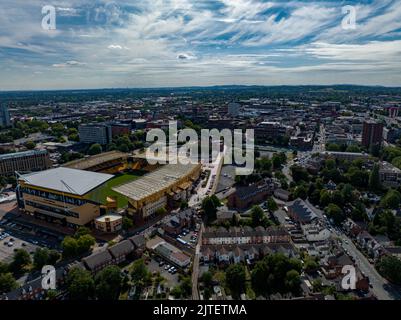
(235, 278)
(108, 283)
(292, 281)
(95, 149)
(127, 223)
(140, 274)
(4, 268)
(390, 268)
(7, 282)
(209, 208)
(207, 279)
(81, 232)
(21, 260)
(301, 192)
(161, 211)
(44, 256)
(69, 247)
(325, 198)
(257, 216)
(272, 205)
(85, 242)
(186, 287)
(374, 179)
(176, 292)
(391, 200)
(40, 258)
(334, 212)
(299, 174)
(30, 145)
(80, 284)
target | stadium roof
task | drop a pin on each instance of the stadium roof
(72, 181)
(155, 181)
(95, 160)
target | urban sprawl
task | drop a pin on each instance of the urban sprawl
(78, 193)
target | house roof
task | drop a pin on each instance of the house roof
(303, 212)
(122, 248)
(97, 259)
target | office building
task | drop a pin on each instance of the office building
(95, 133)
(372, 133)
(4, 116)
(61, 195)
(23, 162)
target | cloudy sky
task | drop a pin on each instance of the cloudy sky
(160, 43)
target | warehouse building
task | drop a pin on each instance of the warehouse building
(159, 189)
(61, 195)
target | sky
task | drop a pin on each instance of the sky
(166, 43)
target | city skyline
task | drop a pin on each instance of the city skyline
(181, 43)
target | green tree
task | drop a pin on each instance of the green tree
(108, 283)
(272, 205)
(391, 200)
(80, 284)
(84, 243)
(95, 149)
(292, 281)
(30, 145)
(257, 216)
(21, 260)
(7, 282)
(334, 212)
(127, 223)
(140, 274)
(374, 179)
(209, 208)
(69, 246)
(390, 268)
(235, 278)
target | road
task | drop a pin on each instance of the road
(195, 269)
(381, 288)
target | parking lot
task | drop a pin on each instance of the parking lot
(190, 237)
(154, 267)
(9, 243)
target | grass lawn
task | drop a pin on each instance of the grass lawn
(105, 190)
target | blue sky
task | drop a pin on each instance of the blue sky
(159, 43)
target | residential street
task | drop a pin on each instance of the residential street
(380, 286)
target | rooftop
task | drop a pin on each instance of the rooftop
(29, 153)
(155, 181)
(95, 160)
(72, 181)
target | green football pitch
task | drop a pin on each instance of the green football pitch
(100, 194)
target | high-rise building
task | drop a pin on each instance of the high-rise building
(372, 133)
(4, 116)
(95, 133)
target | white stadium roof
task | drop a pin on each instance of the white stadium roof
(72, 181)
